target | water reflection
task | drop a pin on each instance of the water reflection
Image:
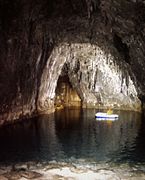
(68, 135)
(49, 143)
(98, 140)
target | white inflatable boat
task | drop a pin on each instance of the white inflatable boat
(105, 116)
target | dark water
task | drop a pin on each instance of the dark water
(73, 135)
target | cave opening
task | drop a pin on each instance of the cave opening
(65, 94)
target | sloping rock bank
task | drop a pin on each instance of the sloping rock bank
(56, 171)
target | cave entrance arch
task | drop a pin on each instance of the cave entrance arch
(65, 94)
(97, 80)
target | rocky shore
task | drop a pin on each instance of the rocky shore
(65, 171)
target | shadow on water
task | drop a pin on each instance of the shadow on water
(73, 135)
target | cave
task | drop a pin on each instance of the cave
(102, 48)
(60, 62)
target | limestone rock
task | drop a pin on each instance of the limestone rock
(100, 43)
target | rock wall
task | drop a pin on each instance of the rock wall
(100, 43)
(94, 74)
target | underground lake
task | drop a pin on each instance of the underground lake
(74, 136)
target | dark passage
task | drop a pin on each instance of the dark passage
(73, 136)
(66, 95)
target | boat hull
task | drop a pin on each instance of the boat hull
(105, 116)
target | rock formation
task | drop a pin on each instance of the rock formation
(97, 44)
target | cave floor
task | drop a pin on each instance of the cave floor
(57, 171)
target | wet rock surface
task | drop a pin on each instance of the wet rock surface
(56, 170)
(100, 43)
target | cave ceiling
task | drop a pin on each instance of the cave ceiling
(98, 41)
